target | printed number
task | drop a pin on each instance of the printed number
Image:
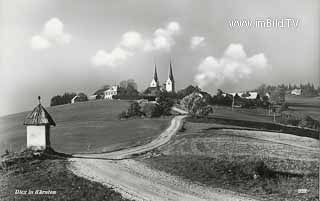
(302, 190)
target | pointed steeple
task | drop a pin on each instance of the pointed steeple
(170, 85)
(170, 72)
(155, 81)
(155, 75)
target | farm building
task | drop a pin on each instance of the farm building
(108, 94)
(296, 92)
(38, 124)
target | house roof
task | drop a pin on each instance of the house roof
(39, 116)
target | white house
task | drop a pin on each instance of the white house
(296, 92)
(38, 124)
(253, 95)
(113, 90)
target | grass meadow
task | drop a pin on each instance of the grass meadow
(306, 105)
(267, 165)
(41, 173)
(85, 127)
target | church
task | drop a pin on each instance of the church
(155, 88)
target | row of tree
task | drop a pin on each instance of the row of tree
(66, 98)
(161, 107)
(306, 89)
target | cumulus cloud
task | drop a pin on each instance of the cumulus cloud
(234, 66)
(163, 38)
(133, 42)
(38, 42)
(52, 34)
(112, 59)
(196, 41)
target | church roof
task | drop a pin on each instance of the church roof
(39, 116)
(170, 72)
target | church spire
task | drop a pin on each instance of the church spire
(155, 75)
(170, 85)
(155, 81)
(170, 71)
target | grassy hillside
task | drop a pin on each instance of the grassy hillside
(270, 166)
(84, 127)
(42, 173)
(306, 105)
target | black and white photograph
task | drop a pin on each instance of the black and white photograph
(159, 100)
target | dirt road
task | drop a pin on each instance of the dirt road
(134, 180)
(162, 139)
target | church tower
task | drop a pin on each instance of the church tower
(155, 81)
(170, 85)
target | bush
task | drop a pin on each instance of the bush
(134, 109)
(165, 102)
(151, 110)
(61, 100)
(123, 115)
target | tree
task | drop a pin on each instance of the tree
(196, 104)
(61, 100)
(151, 110)
(165, 102)
(100, 92)
(134, 109)
(277, 96)
(82, 97)
(186, 91)
(132, 83)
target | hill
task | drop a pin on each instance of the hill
(84, 128)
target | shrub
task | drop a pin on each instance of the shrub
(165, 102)
(123, 115)
(134, 109)
(151, 110)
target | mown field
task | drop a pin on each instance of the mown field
(306, 105)
(266, 165)
(85, 127)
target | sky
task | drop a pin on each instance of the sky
(51, 47)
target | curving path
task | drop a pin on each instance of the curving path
(162, 139)
(134, 180)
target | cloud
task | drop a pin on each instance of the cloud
(116, 57)
(234, 66)
(52, 34)
(38, 43)
(133, 42)
(258, 60)
(163, 38)
(235, 51)
(196, 41)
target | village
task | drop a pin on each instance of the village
(264, 110)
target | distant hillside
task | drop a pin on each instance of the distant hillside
(91, 126)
